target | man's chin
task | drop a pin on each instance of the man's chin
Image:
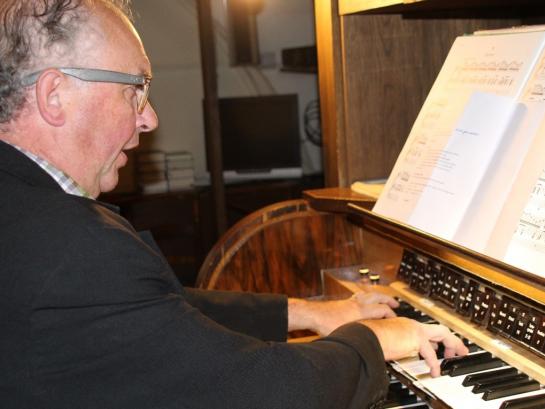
(110, 183)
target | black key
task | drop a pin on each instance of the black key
(396, 386)
(448, 363)
(472, 347)
(405, 400)
(415, 315)
(473, 379)
(528, 402)
(408, 311)
(490, 384)
(471, 367)
(440, 352)
(399, 396)
(398, 393)
(501, 392)
(423, 318)
(404, 308)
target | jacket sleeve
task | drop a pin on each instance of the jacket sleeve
(263, 316)
(110, 329)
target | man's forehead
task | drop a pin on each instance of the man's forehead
(118, 42)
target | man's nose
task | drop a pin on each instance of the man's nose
(148, 119)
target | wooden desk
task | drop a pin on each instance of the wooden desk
(335, 199)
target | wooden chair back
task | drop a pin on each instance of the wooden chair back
(281, 248)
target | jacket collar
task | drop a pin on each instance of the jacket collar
(17, 164)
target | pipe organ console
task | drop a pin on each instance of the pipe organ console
(498, 310)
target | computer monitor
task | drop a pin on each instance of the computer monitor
(260, 137)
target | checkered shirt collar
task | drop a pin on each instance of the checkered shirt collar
(68, 184)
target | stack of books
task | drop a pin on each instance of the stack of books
(150, 172)
(160, 172)
(180, 173)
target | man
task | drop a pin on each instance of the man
(90, 314)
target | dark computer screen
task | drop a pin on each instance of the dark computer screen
(260, 133)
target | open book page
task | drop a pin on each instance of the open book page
(511, 30)
(513, 176)
(527, 248)
(461, 165)
(371, 189)
(476, 94)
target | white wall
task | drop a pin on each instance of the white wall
(169, 31)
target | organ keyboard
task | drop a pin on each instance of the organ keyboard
(497, 309)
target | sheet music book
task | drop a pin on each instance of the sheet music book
(477, 147)
(371, 188)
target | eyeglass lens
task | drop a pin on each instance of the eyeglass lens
(143, 97)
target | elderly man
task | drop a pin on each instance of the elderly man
(90, 314)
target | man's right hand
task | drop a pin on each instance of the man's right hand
(402, 337)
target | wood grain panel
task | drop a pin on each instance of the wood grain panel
(390, 63)
(328, 42)
(282, 249)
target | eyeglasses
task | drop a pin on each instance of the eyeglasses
(141, 82)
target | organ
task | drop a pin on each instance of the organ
(498, 309)
(333, 244)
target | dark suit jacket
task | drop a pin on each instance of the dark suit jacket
(91, 316)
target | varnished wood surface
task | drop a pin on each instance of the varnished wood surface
(501, 275)
(211, 113)
(335, 199)
(282, 249)
(408, 6)
(328, 43)
(391, 62)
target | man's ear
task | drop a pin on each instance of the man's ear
(49, 97)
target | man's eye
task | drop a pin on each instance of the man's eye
(131, 93)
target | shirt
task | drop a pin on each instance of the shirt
(68, 184)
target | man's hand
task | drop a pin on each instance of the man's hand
(323, 317)
(402, 337)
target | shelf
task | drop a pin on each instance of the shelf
(300, 59)
(407, 6)
(300, 70)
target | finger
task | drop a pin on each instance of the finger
(387, 312)
(386, 299)
(451, 352)
(428, 353)
(453, 345)
(392, 302)
(377, 298)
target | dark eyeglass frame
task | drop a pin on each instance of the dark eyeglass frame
(97, 75)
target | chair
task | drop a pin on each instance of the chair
(281, 248)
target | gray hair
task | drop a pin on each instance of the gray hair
(33, 28)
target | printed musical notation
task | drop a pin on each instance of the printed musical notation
(537, 91)
(486, 73)
(530, 231)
